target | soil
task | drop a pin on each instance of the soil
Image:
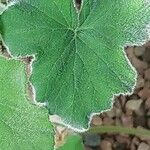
(129, 110)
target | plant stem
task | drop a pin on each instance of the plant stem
(121, 130)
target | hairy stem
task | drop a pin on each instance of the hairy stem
(121, 130)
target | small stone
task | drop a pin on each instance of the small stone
(140, 82)
(130, 52)
(133, 96)
(106, 145)
(134, 104)
(139, 51)
(117, 103)
(144, 146)
(140, 66)
(136, 141)
(144, 93)
(96, 120)
(92, 140)
(103, 115)
(146, 55)
(108, 121)
(139, 120)
(127, 121)
(128, 112)
(147, 103)
(123, 100)
(109, 139)
(133, 147)
(118, 112)
(147, 44)
(140, 111)
(147, 74)
(123, 140)
(110, 113)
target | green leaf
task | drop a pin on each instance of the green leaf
(79, 60)
(73, 142)
(23, 126)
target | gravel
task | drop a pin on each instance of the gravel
(144, 146)
(97, 121)
(134, 104)
(106, 145)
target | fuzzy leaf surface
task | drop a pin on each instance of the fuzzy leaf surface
(22, 125)
(79, 60)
